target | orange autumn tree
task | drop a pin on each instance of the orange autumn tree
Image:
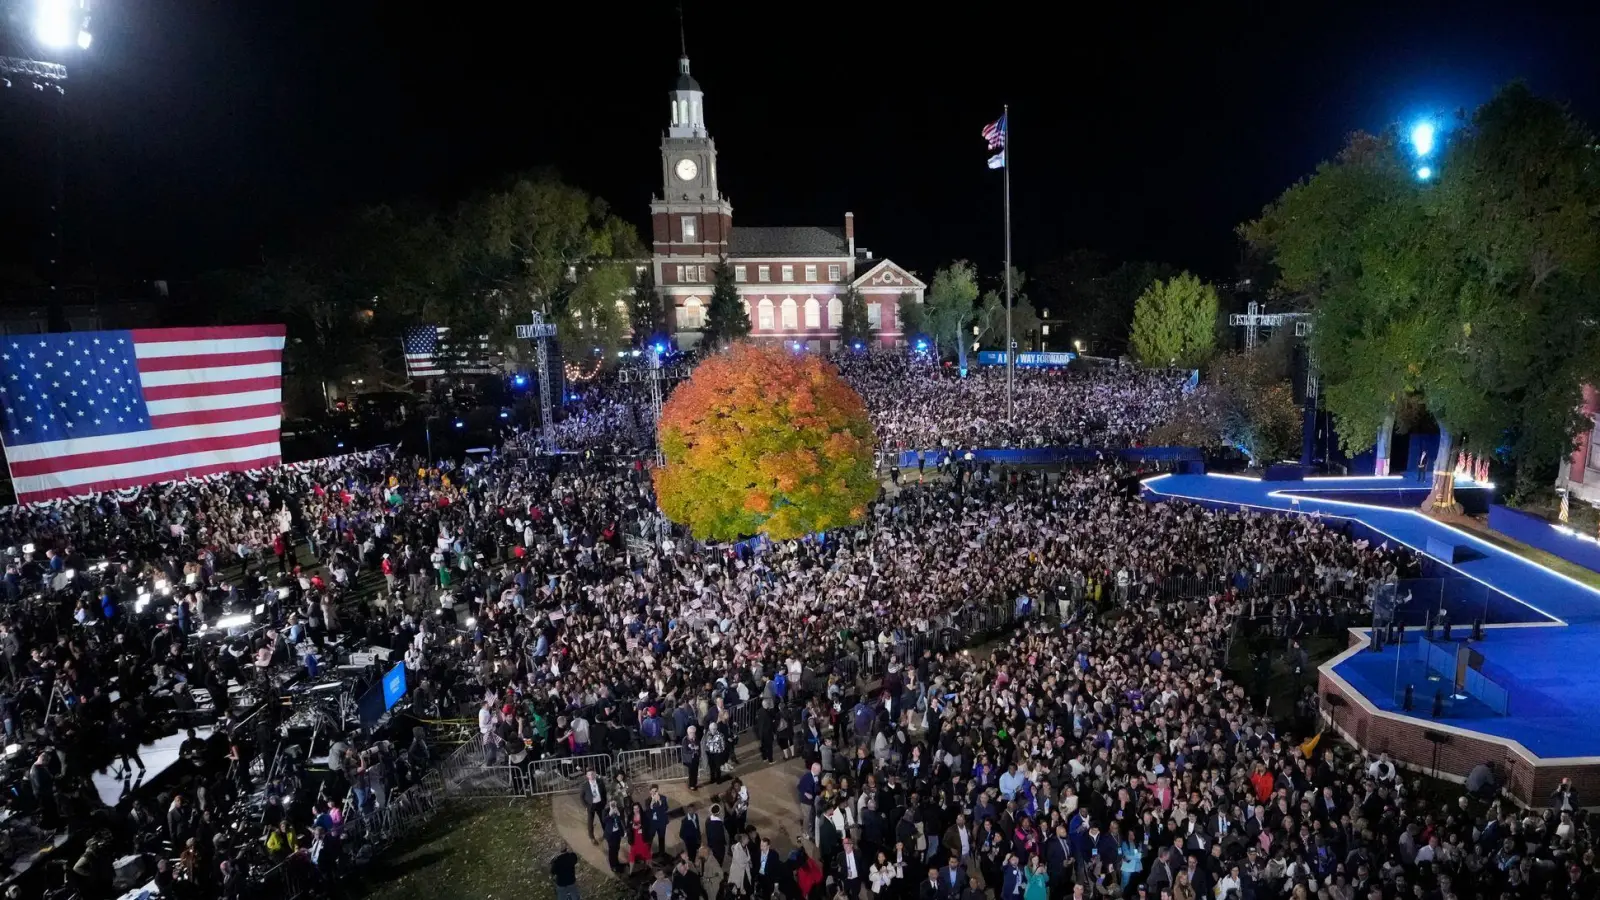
(763, 440)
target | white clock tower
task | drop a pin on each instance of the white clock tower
(690, 220)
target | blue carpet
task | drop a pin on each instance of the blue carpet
(1548, 672)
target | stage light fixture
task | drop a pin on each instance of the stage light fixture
(53, 24)
(236, 621)
(1422, 138)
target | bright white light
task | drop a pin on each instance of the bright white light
(53, 25)
(1424, 173)
(27, 548)
(84, 40)
(233, 621)
(472, 623)
(1422, 135)
(283, 593)
(161, 584)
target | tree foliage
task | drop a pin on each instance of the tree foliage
(950, 313)
(762, 440)
(647, 315)
(348, 291)
(854, 324)
(1174, 322)
(1472, 292)
(991, 316)
(726, 318)
(912, 316)
(1246, 402)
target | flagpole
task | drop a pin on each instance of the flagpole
(1011, 347)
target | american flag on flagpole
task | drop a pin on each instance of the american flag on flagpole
(92, 411)
(995, 134)
(429, 352)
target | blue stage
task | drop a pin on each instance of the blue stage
(1543, 628)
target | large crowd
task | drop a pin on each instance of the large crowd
(1100, 748)
(917, 405)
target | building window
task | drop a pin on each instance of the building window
(638, 271)
(680, 274)
(814, 345)
(764, 315)
(763, 273)
(788, 273)
(691, 315)
(688, 228)
(833, 273)
(738, 273)
(790, 314)
(813, 313)
(835, 312)
(874, 316)
(811, 272)
(1044, 330)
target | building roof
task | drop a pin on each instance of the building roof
(802, 240)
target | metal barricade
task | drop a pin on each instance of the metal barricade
(563, 775)
(654, 765)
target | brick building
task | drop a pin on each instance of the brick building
(789, 277)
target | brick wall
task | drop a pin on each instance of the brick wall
(1403, 740)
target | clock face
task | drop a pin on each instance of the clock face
(686, 169)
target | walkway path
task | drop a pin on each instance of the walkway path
(773, 810)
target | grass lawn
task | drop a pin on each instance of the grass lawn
(483, 851)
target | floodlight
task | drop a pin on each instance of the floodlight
(1422, 138)
(1424, 173)
(53, 24)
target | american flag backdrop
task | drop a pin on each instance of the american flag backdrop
(430, 351)
(91, 411)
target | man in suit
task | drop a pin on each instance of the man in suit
(717, 834)
(952, 881)
(594, 800)
(689, 830)
(1058, 858)
(806, 795)
(658, 811)
(932, 888)
(1013, 879)
(850, 869)
(768, 869)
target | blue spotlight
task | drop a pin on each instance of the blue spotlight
(1424, 173)
(1422, 138)
(504, 414)
(661, 348)
(460, 424)
(520, 381)
(922, 345)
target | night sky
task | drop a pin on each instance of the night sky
(200, 133)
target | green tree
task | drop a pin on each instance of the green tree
(913, 316)
(950, 313)
(1245, 402)
(528, 246)
(991, 316)
(593, 315)
(854, 326)
(647, 316)
(1174, 322)
(726, 318)
(1472, 293)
